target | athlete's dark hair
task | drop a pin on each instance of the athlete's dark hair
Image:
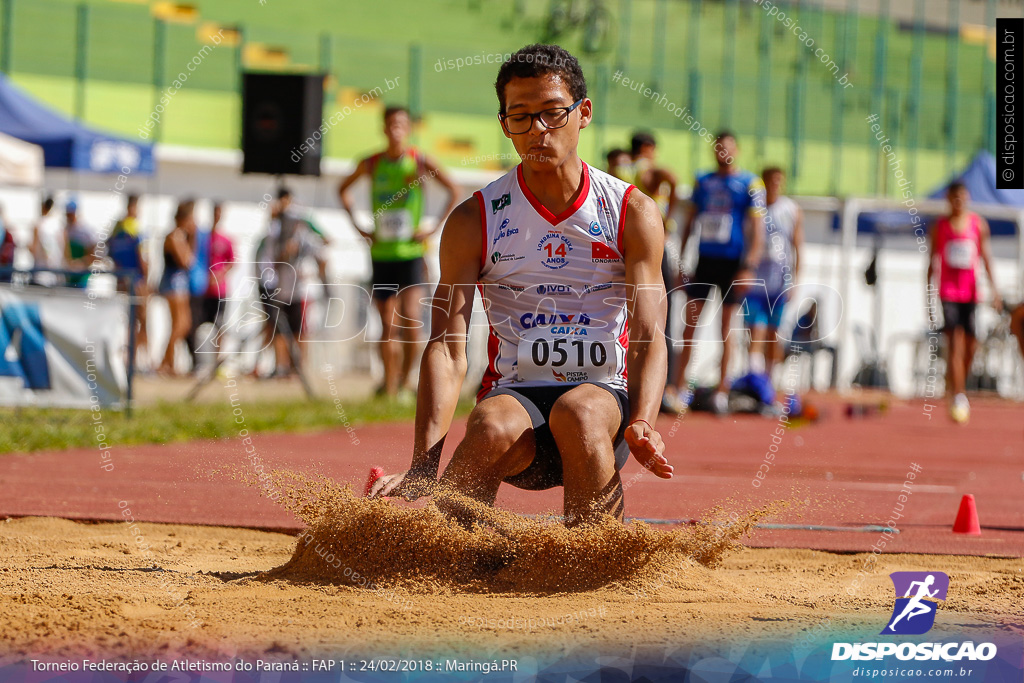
(132, 199)
(284, 192)
(724, 133)
(771, 170)
(956, 186)
(48, 203)
(539, 60)
(184, 209)
(641, 139)
(395, 109)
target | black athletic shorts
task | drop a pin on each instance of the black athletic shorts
(715, 272)
(292, 312)
(545, 471)
(956, 314)
(389, 277)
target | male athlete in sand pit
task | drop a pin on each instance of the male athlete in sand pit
(568, 263)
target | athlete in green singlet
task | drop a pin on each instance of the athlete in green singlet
(397, 240)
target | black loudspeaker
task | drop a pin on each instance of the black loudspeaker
(282, 115)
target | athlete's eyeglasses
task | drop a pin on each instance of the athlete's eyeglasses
(517, 124)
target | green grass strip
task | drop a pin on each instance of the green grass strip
(40, 429)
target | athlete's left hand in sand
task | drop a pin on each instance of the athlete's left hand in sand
(409, 485)
(647, 446)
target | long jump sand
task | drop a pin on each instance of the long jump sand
(121, 591)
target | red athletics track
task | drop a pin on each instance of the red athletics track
(851, 470)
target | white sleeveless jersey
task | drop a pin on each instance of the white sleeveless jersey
(777, 261)
(554, 286)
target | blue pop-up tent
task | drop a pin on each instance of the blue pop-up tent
(980, 179)
(67, 143)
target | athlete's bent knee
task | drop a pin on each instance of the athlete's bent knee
(575, 421)
(493, 433)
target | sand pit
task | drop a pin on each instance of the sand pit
(70, 589)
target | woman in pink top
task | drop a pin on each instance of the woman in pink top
(222, 259)
(958, 242)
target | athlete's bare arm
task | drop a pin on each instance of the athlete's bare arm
(643, 242)
(665, 177)
(443, 367)
(932, 237)
(437, 173)
(37, 246)
(362, 168)
(985, 250)
(691, 216)
(1017, 326)
(798, 241)
(756, 240)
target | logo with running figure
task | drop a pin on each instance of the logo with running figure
(917, 596)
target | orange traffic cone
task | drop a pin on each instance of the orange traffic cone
(375, 474)
(967, 518)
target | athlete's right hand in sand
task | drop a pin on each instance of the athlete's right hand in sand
(403, 485)
(648, 448)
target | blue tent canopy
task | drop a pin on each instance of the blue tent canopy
(66, 143)
(980, 179)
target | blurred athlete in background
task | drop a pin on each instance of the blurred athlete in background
(398, 241)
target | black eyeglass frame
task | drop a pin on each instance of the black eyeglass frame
(537, 116)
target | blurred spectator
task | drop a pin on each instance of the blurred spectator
(659, 184)
(960, 245)
(397, 242)
(291, 240)
(198, 280)
(7, 248)
(221, 257)
(126, 251)
(726, 213)
(178, 256)
(806, 338)
(48, 245)
(620, 164)
(80, 249)
(780, 263)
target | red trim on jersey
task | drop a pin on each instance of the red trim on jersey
(483, 228)
(491, 374)
(622, 219)
(415, 155)
(624, 343)
(543, 210)
(371, 162)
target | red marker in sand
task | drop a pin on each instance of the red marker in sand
(375, 474)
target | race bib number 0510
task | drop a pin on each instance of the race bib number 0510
(546, 355)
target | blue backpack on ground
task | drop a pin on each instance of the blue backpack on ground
(757, 386)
